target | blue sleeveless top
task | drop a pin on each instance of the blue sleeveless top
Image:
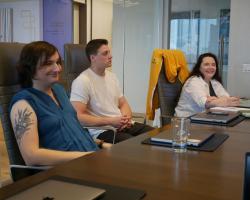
(58, 126)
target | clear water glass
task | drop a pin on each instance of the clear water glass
(180, 133)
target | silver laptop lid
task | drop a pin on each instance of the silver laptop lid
(223, 117)
(56, 189)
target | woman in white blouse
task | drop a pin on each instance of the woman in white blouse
(203, 88)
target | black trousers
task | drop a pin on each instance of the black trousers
(134, 130)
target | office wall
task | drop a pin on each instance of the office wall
(76, 23)
(27, 23)
(102, 16)
(238, 80)
(58, 23)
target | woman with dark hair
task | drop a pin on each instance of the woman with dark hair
(44, 122)
(203, 88)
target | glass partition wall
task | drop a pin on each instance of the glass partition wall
(137, 30)
(139, 26)
(199, 26)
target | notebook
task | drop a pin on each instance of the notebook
(244, 103)
(229, 109)
(56, 189)
(222, 117)
(196, 138)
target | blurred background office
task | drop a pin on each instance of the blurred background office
(134, 28)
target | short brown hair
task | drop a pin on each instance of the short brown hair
(93, 46)
(32, 54)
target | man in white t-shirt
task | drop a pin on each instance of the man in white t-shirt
(98, 100)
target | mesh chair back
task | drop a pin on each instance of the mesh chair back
(168, 96)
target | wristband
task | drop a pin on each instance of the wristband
(100, 144)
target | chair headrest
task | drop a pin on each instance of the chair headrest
(76, 60)
(9, 56)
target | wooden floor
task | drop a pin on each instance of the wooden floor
(4, 161)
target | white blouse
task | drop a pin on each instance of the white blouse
(194, 96)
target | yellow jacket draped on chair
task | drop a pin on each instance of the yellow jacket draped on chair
(175, 67)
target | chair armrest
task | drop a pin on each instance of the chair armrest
(108, 127)
(31, 167)
(21, 171)
(102, 128)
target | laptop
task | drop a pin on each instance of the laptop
(196, 137)
(246, 190)
(56, 189)
(220, 117)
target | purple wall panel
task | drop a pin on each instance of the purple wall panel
(58, 22)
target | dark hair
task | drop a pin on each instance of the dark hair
(32, 55)
(93, 46)
(196, 70)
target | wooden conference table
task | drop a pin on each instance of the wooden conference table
(160, 172)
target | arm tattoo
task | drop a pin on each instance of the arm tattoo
(22, 123)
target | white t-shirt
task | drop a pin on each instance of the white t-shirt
(194, 96)
(100, 93)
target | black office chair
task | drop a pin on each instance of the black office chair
(9, 55)
(169, 94)
(246, 189)
(75, 62)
